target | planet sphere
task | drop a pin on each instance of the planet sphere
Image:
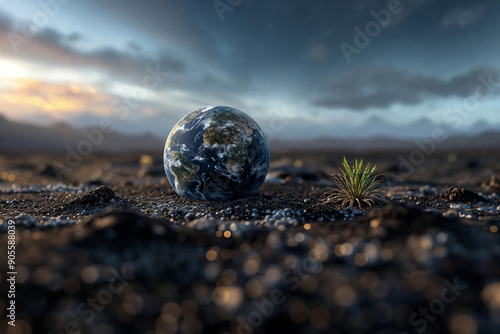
(216, 153)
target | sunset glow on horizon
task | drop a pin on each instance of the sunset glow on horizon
(161, 60)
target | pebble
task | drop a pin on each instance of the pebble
(252, 218)
(451, 213)
(346, 212)
(26, 220)
(43, 223)
(491, 208)
(467, 215)
(307, 200)
(34, 189)
(459, 206)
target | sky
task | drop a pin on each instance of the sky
(299, 68)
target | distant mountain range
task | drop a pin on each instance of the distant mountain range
(16, 137)
(486, 140)
(378, 127)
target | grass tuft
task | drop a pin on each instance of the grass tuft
(357, 186)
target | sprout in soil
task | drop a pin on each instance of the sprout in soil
(356, 186)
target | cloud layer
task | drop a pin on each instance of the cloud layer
(261, 57)
(380, 87)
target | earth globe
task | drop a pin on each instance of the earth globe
(216, 153)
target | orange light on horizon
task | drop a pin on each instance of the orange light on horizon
(55, 98)
(73, 88)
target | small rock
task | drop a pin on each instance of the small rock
(459, 206)
(459, 194)
(451, 214)
(491, 208)
(26, 220)
(101, 196)
(50, 171)
(467, 215)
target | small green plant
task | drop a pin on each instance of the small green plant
(356, 186)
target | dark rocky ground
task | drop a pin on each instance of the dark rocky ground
(108, 247)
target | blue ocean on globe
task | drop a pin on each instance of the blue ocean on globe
(216, 153)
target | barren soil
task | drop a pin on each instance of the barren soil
(108, 247)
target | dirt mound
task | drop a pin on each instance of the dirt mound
(50, 171)
(459, 194)
(97, 199)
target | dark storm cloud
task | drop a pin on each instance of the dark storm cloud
(55, 48)
(277, 41)
(204, 84)
(287, 46)
(381, 87)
